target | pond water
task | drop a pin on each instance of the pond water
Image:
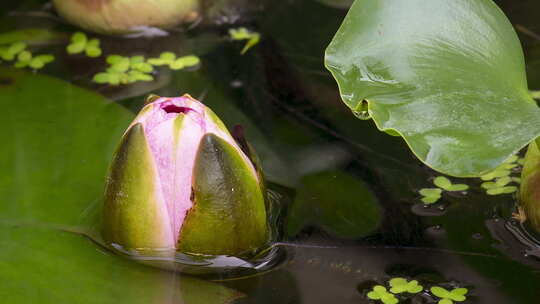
(350, 213)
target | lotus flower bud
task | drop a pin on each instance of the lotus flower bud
(179, 182)
(124, 16)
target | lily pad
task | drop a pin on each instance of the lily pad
(447, 75)
(58, 140)
(47, 266)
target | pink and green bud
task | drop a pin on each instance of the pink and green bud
(179, 182)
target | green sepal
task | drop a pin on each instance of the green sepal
(530, 185)
(228, 216)
(134, 213)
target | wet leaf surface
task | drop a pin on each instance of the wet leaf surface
(442, 91)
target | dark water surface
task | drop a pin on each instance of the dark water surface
(290, 107)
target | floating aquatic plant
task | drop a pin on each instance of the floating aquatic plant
(243, 33)
(445, 184)
(125, 70)
(449, 297)
(400, 285)
(432, 195)
(80, 43)
(24, 57)
(379, 292)
(496, 182)
(175, 63)
(10, 52)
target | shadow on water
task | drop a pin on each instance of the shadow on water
(289, 104)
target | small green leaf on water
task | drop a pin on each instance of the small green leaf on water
(16, 48)
(168, 56)
(112, 59)
(139, 76)
(509, 166)
(502, 190)
(380, 293)
(142, 67)
(440, 292)
(516, 179)
(78, 43)
(442, 182)
(430, 199)
(79, 37)
(24, 56)
(244, 34)
(21, 64)
(190, 60)
(177, 65)
(494, 174)
(93, 42)
(400, 285)
(430, 192)
(136, 59)
(93, 49)
(458, 294)
(120, 66)
(157, 61)
(488, 185)
(114, 78)
(430, 195)
(503, 181)
(239, 33)
(101, 78)
(458, 187)
(185, 61)
(7, 56)
(93, 52)
(75, 48)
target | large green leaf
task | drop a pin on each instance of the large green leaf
(57, 141)
(447, 75)
(45, 266)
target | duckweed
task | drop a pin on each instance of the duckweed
(243, 33)
(449, 297)
(432, 195)
(400, 285)
(9, 53)
(496, 182)
(174, 63)
(125, 70)
(444, 183)
(24, 57)
(80, 43)
(379, 292)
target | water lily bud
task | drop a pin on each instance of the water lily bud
(125, 16)
(179, 182)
